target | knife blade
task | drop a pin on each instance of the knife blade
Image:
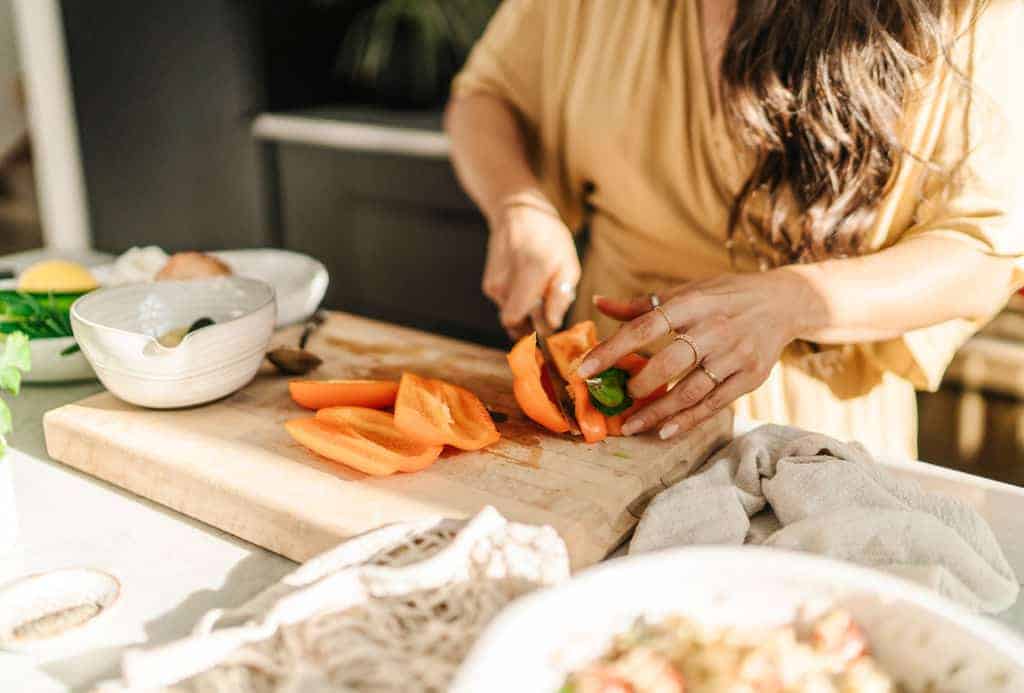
(561, 390)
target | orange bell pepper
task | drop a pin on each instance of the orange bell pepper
(632, 364)
(365, 442)
(567, 349)
(438, 413)
(593, 424)
(570, 346)
(534, 396)
(319, 394)
(374, 427)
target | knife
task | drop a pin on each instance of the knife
(558, 385)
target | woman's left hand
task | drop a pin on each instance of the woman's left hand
(738, 325)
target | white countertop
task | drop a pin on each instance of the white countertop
(171, 568)
(174, 569)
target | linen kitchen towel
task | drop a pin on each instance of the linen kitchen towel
(784, 487)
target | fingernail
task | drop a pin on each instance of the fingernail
(588, 368)
(632, 426)
(597, 298)
(668, 430)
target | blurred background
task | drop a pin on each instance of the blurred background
(315, 125)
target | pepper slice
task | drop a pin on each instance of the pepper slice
(567, 349)
(592, 423)
(570, 346)
(362, 448)
(438, 413)
(319, 394)
(371, 427)
(534, 398)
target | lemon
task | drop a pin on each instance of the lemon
(57, 276)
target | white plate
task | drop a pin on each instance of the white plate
(299, 281)
(915, 635)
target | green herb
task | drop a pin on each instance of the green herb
(14, 360)
(622, 455)
(38, 315)
(568, 688)
(608, 391)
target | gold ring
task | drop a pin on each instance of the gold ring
(662, 313)
(709, 373)
(683, 337)
(655, 301)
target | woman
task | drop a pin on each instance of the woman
(813, 199)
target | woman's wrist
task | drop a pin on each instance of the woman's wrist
(530, 197)
(803, 294)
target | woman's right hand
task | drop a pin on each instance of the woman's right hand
(531, 258)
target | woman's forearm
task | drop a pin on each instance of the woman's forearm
(489, 151)
(914, 284)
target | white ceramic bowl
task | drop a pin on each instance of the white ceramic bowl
(117, 330)
(917, 636)
(45, 594)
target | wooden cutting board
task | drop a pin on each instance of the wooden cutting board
(232, 465)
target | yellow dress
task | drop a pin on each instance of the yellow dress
(615, 98)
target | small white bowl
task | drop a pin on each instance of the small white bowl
(56, 595)
(117, 329)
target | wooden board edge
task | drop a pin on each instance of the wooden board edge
(715, 434)
(194, 498)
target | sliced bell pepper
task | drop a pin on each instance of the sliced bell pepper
(592, 423)
(319, 394)
(569, 346)
(371, 427)
(632, 364)
(438, 413)
(352, 447)
(567, 349)
(535, 397)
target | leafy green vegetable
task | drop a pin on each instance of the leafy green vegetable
(38, 315)
(14, 360)
(608, 391)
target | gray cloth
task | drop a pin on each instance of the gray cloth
(792, 489)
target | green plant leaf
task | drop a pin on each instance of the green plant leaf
(16, 353)
(5, 418)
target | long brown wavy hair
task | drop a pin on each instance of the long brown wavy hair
(817, 91)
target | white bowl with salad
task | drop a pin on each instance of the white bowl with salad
(38, 304)
(701, 619)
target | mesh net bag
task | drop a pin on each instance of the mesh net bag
(396, 609)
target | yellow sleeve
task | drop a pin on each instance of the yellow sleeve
(508, 60)
(976, 192)
(526, 57)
